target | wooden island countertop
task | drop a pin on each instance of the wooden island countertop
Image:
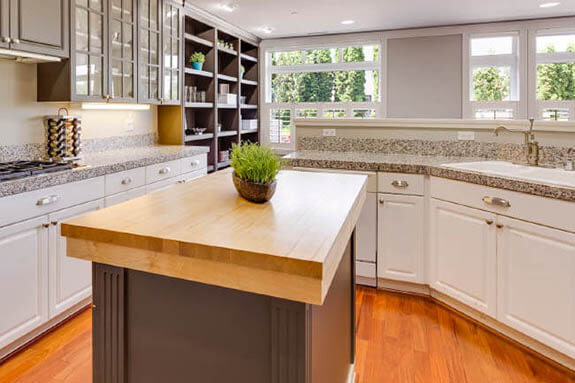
(205, 232)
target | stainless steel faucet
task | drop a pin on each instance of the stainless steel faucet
(531, 147)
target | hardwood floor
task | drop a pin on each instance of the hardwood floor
(400, 339)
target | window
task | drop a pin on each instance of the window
(494, 76)
(326, 82)
(555, 71)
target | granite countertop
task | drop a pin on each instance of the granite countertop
(419, 164)
(102, 163)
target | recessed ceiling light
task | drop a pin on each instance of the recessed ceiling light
(348, 22)
(266, 30)
(549, 5)
(228, 7)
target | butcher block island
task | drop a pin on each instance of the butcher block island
(196, 284)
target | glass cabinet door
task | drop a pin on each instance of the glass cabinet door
(171, 49)
(121, 52)
(88, 50)
(150, 69)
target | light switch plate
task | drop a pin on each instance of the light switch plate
(466, 136)
(328, 132)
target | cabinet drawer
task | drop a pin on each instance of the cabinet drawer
(371, 176)
(125, 196)
(163, 171)
(193, 175)
(194, 163)
(44, 201)
(123, 181)
(163, 185)
(400, 183)
(546, 211)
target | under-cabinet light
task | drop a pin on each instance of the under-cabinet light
(549, 5)
(26, 57)
(104, 106)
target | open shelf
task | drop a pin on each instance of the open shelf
(199, 105)
(199, 40)
(227, 51)
(225, 77)
(196, 72)
(249, 131)
(249, 82)
(248, 58)
(227, 106)
(227, 133)
(248, 106)
(223, 164)
(198, 137)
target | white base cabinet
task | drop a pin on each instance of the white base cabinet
(400, 237)
(463, 254)
(366, 242)
(24, 276)
(536, 282)
(70, 279)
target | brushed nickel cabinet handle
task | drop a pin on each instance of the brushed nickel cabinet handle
(127, 181)
(47, 200)
(489, 222)
(165, 170)
(496, 201)
(399, 184)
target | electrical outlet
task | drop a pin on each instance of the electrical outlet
(129, 122)
(328, 132)
(466, 136)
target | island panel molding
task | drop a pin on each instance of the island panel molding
(204, 231)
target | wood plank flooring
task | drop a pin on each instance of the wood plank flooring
(400, 339)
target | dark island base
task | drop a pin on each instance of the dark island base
(150, 329)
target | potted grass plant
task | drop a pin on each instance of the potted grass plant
(255, 170)
(197, 59)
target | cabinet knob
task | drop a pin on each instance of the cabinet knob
(165, 170)
(500, 226)
(6, 40)
(54, 223)
(45, 225)
(15, 41)
(47, 200)
(381, 201)
(489, 222)
(127, 181)
(195, 163)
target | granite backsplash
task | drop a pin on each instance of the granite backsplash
(551, 156)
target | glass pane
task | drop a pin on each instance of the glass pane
(154, 43)
(83, 3)
(81, 29)
(334, 113)
(175, 53)
(128, 80)
(96, 4)
(176, 21)
(320, 56)
(167, 81)
(144, 47)
(117, 9)
(167, 17)
(343, 86)
(96, 75)
(81, 74)
(175, 86)
(154, 81)
(167, 54)
(154, 14)
(95, 33)
(116, 35)
(556, 81)
(145, 81)
(556, 114)
(128, 42)
(494, 114)
(557, 43)
(280, 126)
(128, 6)
(492, 46)
(306, 113)
(286, 58)
(363, 113)
(491, 84)
(366, 53)
(116, 78)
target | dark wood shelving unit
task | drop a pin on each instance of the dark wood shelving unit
(223, 65)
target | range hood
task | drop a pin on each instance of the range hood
(26, 57)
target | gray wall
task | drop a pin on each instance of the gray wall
(424, 77)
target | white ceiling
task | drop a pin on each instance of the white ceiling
(304, 17)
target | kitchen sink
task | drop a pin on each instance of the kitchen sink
(558, 177)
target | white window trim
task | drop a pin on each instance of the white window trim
(327, 43)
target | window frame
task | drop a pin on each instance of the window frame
(514, 60)
(269, 70)
(539, 106)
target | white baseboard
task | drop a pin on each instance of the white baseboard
(496, 326)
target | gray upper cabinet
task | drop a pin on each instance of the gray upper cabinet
(36, 26)
(4, 24)
(172, 60)
(149, 40)
(122, 50)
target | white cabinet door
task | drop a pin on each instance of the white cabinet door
(70, 278)
(463, 254)
(366, 231)
(400, 237)
(536, 282)
(23, 282)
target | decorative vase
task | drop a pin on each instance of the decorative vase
(254, 192)
(197, 65)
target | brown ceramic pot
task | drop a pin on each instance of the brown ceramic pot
(258, 193)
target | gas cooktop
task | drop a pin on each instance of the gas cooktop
(20, 169)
